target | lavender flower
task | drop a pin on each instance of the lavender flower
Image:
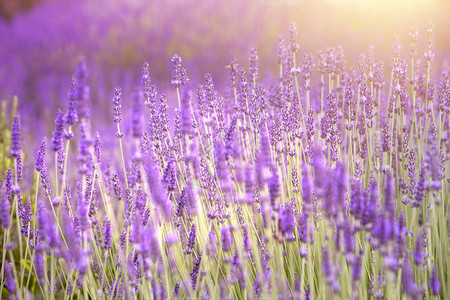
(191, 242)
(287, 222)
(19, 168)
(40, 160)
(435, 285)
(136, 114)
(15, 149)
(211, 247)
(117, 105)
(408, 284)
(226, 239)
(57, 139)
(253, 70)
(72, 115)
(10, 282)
(195, 270)
(5, 213)
(107, 234)
(418, 252)
(179, 75)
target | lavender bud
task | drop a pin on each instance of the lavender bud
(5, 213)
(435, 285)
(15, 149)
(226, 239)
(57, 139)
(40, 160)
(191, 241)
(71, 115)
(117, 105)
(194, 273)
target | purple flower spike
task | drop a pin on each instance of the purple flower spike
(19, 168)
(117, 105)
(5, 208)
(191, 241)
(435, 285)
(418, 251)
(293, 46)
(253, 71)
(179, 75)
(10, 282)
(408, 284)
(57, 139)
(226, 239)
(287, 222)
(136, 114)
(15, 149)
(40, 160)
(72, 115)
(82, 89)
(195, 270)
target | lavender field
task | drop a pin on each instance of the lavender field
(192, 164)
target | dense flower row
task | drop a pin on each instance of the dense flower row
(327, 183)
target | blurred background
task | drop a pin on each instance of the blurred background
(42, 40)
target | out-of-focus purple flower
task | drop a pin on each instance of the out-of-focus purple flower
(57, 139)
(75, 254)
(308, 292)
(226, 238)
(159, 196)
(409, 286)
(5, 213)
(306, 186)
(349, 240)
(303, 227)
(49, 233)
(287, 222)
(84, 152)
(357, 201)
(253, 69)
(371, 204)
(107, 237)
(418, 254)
(72, 115)
(356, 267)
(83, 210)
(211, 247)
(326, 264)
(274, 189)
(435, 285)
(39, 265)
(10, 282)
(149, 246)
(15, 149)
(82, 89)
(420, 189)
(179, 75)
(136, 114)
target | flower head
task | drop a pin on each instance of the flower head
(15, 149)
